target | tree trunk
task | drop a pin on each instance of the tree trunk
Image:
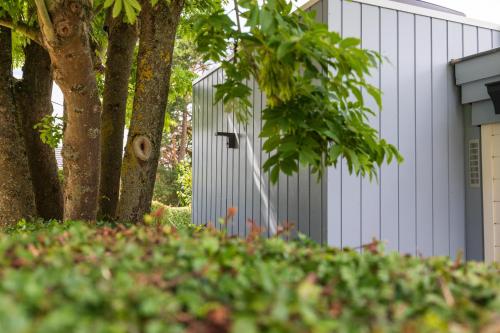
(65, 28)
(122, 40)
(17, 200)
(33, 98)
(184, 134)
(157, 37)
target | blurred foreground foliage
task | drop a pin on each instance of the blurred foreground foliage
(77, 277)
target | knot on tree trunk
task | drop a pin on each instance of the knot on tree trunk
(64, 29)
(142, 147)
(76, 8)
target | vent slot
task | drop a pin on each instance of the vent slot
(474, 163)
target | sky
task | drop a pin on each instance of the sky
(484, 10)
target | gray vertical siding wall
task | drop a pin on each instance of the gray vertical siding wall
(417, 207)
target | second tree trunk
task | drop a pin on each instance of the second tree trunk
(17, 200)
(34, 100)
(122, 39)
(154, 63)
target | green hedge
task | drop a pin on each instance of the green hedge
(175, 216)
(75, 277)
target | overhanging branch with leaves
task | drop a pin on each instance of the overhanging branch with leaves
(314, 81)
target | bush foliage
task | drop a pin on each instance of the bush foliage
(76, 277)
(178, 217)
(173, 184)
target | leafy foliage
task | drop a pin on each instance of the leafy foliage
(314, 82)
(179, 217)
(75, 277)
(165, 190)
(185, 183)
(173, 184)
(51, 130)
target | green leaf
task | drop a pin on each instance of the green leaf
(117, 8)
(108, 3)
(129, 11)
(135, 4)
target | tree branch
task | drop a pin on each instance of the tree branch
(237, 12)
(29, 32)
(45, 21)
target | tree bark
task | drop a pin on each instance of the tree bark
(33, 98)
(122, 40)
(65, 26)
(157, 37)
(184, 134)
(17, 200)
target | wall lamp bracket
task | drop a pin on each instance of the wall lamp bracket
(494, 92)
(232, 140)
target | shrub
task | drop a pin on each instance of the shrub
(165, 190)
(77, 277)
(173, 185)
(185, 183)
(174, 216)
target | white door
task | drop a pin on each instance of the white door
(490, 144)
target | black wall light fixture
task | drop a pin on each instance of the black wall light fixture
(232, 140)
(494, 92)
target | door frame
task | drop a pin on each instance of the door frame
(487, 182)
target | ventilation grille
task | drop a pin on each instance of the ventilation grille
(474, 163)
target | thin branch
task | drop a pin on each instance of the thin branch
(237, 12)
(45, 21)
(29, 32)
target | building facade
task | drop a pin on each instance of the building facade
(424, 205)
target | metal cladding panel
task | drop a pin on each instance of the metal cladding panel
(470, 43)
(389, 199)
(194, 119)
(407, 134)
(351, 185)
(416, 207)
(221, 157)
(440, 157)
(484, 39)
(423, 132)
(456, 139)
(370, 209)
(495, 38)
(211, 151)
(334, 174)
